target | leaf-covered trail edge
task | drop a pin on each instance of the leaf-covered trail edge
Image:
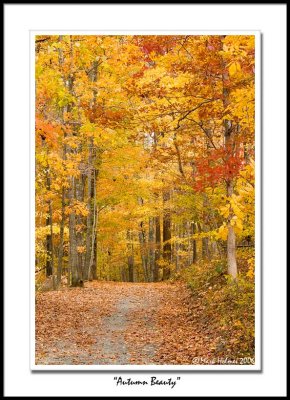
(118, 323)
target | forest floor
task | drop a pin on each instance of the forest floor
(118, 323)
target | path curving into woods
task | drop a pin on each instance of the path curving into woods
(116, 323)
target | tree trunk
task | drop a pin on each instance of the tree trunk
(90, 213)
(166, 236)
(151, 248)
(231, 240)
(144, 258)
(91, 190)
(230, 147)
(79, 233)
(73, 193)
(205, 228)
(130, 256)
(49, 236)
(157, 249)
(194, 247)
(95, 249)
(62, 223)
(189, 243)
(143, 249)
(61, 240)
(177, 247)
(73, 256)
(205, 249)
(92, 272)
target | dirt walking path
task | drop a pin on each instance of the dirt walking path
(115, 324)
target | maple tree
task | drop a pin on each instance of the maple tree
(145, 159)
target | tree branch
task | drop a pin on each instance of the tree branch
(192, 110)
(42, 40)
(204, 131)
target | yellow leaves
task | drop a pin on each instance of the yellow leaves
(243, 203)
(222, 232)
(233, 220)
(225, 210)
(55, 186)
(88, 129)
(71, 169)
(237, 224)
(243, 106)
(251, 265)
(66, 185)
(71, 165)
(153, 74)
(71, 141)
(42, 231)
(41, 159)
(78, 208)
(227, 116)
(232, 211)
(237, 206)
(234, 68)
(248, 172)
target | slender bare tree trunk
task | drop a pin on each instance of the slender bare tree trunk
(143, 246)
(91, 189)
(151, 248)
(90, 215)
(73, 256)
(231, 239)
(61, 240)
(62, 222)
(91, 271)
(230, 147)
(79, 222)
(157, 249)
(166, 235)
(189, 242)
(49, 236)
(194, 247)
(177, 247)
(95, 245)
(144, 258)
(74, 193)
(130, 256)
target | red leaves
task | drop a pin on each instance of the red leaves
(216, 166)
(140, 73)
(156, 44)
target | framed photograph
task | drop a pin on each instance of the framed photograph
(145, 200)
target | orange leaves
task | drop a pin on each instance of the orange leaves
(154, 323)
(47, 132)
(81, 249)
(118, 323)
